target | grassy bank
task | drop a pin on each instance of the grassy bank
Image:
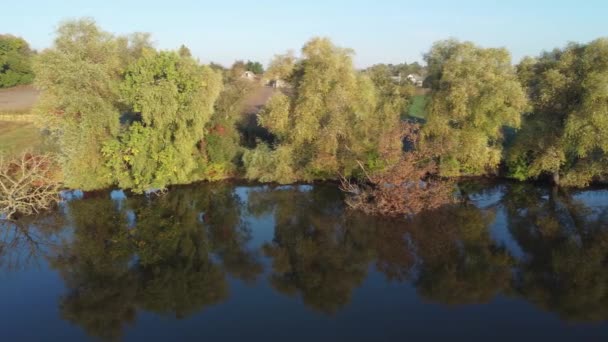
(16, 137)
(418, 107)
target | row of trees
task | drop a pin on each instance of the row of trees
(557, 104)
(127, 114)
(15, 61)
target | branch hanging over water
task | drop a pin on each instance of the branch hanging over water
(408, 187)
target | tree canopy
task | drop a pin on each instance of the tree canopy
(566, 132)
(333, 119)
(255, 67)
(15, 61)
(127, 114)
(79, 78)
(475, 93)
(175, 98)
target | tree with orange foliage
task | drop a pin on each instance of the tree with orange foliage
(406, 188)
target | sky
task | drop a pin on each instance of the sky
(380, 31)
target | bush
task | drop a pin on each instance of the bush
(28, 184)
(15, 61)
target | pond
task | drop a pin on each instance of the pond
(239, 262)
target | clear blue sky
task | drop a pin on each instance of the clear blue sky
(379, 31)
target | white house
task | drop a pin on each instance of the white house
(248, 75)
(417, 80)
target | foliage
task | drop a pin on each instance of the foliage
(255, 67)
(126, 114)
(474, 94)
(183, 51)
(222, 142)
(406, 188)
(269, 165)
(28, 184)
(281, 67)
(401, 70)
(333, 118)
(78, 78)
(391, 93)
(565, 133)
(175, 98)
(15, 61)
(236, 71)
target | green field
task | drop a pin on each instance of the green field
(16, 137)
(418, 107)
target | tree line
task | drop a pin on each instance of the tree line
(127, 114)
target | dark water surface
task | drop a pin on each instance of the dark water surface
(244, 263)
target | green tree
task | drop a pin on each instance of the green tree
(332, 119)
(255, 67)
(236, 71)
(565, 133)
(15, 61)
(78, 78)
(474, 95)
(281, 67)
(175, 98)
(184, 51)
(132, 46)
(222, 142)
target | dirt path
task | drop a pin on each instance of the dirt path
(257, 99)
(17, 99)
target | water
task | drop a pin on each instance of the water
(229, 262)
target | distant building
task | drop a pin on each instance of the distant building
(249, 75)
(416, 79)
(277, 83)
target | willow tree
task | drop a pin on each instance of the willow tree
(328, 123)
(566, 135)
(475, 93)
(78, 78)
(172, 98)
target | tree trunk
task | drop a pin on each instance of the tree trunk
(556, 178)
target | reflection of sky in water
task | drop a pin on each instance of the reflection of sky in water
(69, 195)
(596, 201)
(118, 195)
(499, 229)
(263, 226)
(488, 198)
(499, 232)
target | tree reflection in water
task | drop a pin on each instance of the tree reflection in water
(316, 252)
(165, 262)
(566, 244)
(322, 252)
(172, 254)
